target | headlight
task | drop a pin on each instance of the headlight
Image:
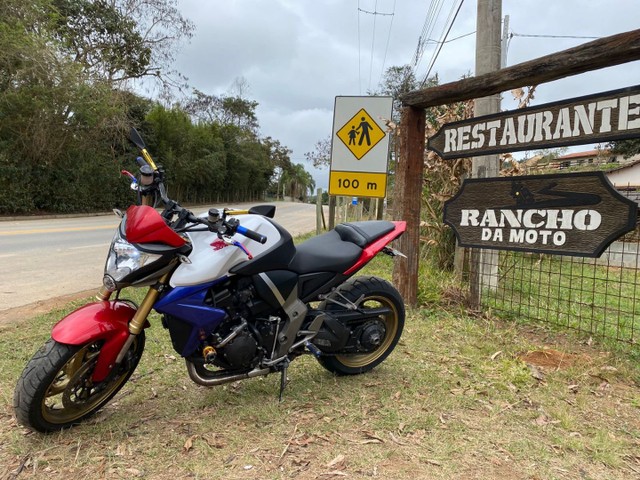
(123, 259)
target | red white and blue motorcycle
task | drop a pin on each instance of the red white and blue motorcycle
(238, 298)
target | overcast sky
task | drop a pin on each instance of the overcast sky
(297, 55)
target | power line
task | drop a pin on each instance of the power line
(442, 42)
(376, 12)
(431, 40)
(552, 36)
(435, 7)
(384, 59)
(359, 69)
(373, 40)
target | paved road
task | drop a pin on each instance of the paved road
(47, 258)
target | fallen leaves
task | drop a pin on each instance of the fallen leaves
(370, 437)
(336, 461)
(536, 372)
(134, 472)
(338, 466)
(543, 420)
(212, 440)
(188, 445)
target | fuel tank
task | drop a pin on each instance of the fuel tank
(211, 258)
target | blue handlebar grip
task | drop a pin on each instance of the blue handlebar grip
(251, 234)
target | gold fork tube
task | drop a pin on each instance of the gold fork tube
(137, 322)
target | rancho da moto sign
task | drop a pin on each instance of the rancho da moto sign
(572, 214)
(607, 116)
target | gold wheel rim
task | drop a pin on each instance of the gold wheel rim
(71, 394)
(391, 325)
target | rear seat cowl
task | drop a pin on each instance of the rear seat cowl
(363, 233)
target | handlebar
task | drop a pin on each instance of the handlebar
(251, 234)
(217, 225)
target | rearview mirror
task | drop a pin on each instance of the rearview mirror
(135, 137)
(265, 210)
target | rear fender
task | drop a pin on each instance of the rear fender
(107, 321)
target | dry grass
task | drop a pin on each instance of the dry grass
(460, 398)
(454, 401)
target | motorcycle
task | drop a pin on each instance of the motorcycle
(238, 298)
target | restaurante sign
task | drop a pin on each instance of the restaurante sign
(607, 116)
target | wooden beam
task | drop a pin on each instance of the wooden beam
(407, 201)
(601, 53)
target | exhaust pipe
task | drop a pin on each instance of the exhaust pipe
(212, 382)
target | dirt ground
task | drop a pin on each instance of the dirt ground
(23, 313)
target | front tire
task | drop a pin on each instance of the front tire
(367, 292)
(55, 390)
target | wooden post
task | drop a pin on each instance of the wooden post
(408, 199)
(332, 211)
(379, 208)
(318, 211)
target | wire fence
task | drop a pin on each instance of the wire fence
(597, 296)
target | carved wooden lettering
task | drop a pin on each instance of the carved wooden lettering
(576, 214)
(607, 116)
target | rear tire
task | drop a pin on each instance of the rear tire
(375, 293)
(55, 390)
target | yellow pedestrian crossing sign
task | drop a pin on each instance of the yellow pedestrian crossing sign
(360, 134)
(360, 146)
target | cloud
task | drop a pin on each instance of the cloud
(298, 56)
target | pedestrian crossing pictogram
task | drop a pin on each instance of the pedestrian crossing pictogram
(360, 134)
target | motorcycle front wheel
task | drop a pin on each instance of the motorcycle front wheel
(55, 390)
(367, 292)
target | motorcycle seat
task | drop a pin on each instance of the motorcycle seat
(337, 250)
(325, 253)
(364, 233)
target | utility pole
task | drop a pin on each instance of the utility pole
(484, 263)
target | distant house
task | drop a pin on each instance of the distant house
(627, 176)
(624, 173)
(585, 159)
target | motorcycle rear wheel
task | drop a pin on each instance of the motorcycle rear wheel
(55, 390)
(367, 292)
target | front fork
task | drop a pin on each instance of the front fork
(137, 323)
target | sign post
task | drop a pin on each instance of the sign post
(360, 146)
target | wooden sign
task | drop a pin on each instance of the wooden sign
(607, 116)
(576, 214)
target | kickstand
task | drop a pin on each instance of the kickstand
(283, 378)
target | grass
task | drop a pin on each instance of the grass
(454, 400)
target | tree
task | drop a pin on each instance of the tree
(549, 154)
(298, 182)
(280, 160)
(58, 128)
(320, 157)
(627, 148)
(65, 114)
(118, 40)
(225, 110)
